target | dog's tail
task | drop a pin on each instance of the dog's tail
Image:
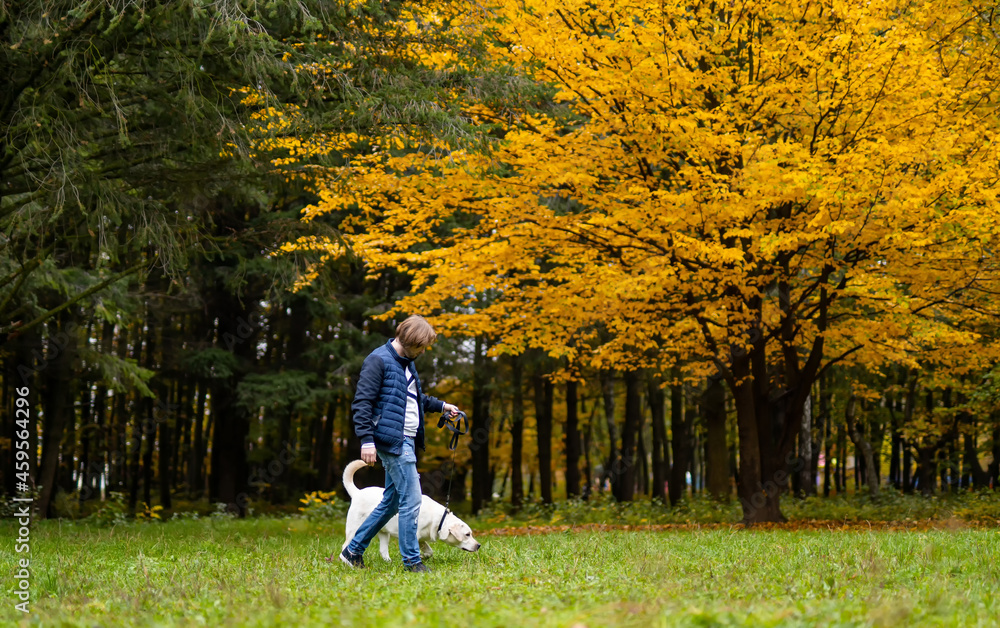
(349, 477)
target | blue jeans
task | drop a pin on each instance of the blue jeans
(402, 494)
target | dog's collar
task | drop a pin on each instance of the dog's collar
(441, 523)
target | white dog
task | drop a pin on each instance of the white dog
(454, 531)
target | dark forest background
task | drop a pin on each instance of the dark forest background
(146, 309)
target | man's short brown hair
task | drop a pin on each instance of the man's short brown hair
(415, 331)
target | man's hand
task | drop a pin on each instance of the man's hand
(449, 409)
(368, 455)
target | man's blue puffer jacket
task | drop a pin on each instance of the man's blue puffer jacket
(379, 406)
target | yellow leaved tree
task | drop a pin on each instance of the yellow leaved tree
(764, 188)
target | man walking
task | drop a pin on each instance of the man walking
(388, 412)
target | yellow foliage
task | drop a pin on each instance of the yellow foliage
(149, 514)
(317, 498)
(813, 176)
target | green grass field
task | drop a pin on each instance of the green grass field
(270, 572)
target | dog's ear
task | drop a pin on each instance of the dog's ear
(443, 532)
(456, 531)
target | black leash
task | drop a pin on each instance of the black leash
(454, 423)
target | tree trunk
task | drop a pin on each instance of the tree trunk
(691, 416)
(479, 428)
(94, 442)
(118, 422)
(945, 447)
(149, 429)
(57, 378)
(163, 457)
(841, 460)
(759, 501)
(68, 452)
(824, 409)
(196, 484)
(154, 411)
(871, 476)
(281, 484)
(325, 449)
(807, 484)
(230, 471)
(907, 466)
(642, 457)
(877, 430)
(713, 404)
(859, 465)
(734, 466)
(543, 420)
(517, 435)
(543, 414)
(165, 453)
(88, 430)
(657, 402)
(295, 349)
(610, 475)
(136, 440)
(680, 443)
(625, 490)
(697, 458)
(314, 442)
(182, 432)
(498, 443)
(503, 482)
(978, 477)
(572, 443)
(925, 470)
(819, 422)
(588, 471)
(994, 480)
(896, 443)
(910, 405)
